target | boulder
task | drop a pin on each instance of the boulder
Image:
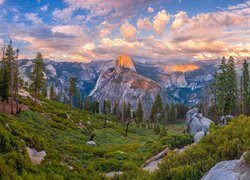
(91, 143)
(228, 170)
(113, 174)
(196, 122)
(224, 119)
(198, 136)
(35, 156)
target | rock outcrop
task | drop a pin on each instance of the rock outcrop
(35, 156)
(228, 170)
(126, 62)
(224, 119)
(198, 136)
(196, 122)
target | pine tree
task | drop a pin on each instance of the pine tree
(16, 80)
(37, 76)
(10, 57)
(139, 113)
(79, 99)
(4, 78)
(51, 92)
(106, 110)
(231, 99)
(157, 110)
(163, 132)
(245, 89)
(44, 92)
(72, 91)
(127, 117)
(87, 104)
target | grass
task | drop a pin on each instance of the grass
(52, 127)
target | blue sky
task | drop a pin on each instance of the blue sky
(165, 30)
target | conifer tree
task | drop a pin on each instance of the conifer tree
(163, 132)
(231, 98)
(51, 92)
(127, 117)
(157, 110)
(10, 57)
(87, 104)
(72, 91)
(245, 89)
(79, 100)
(4, 78)
(106, 110)
(37, 76)
(139, 113)
(16, 80)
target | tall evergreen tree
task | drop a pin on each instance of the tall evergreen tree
(4, 78)
(79, 100)
(16, 80)
(157, 110)
(37, 76)
(87, 104)
(245, 89)
(52, 92)
(232, 94)
(127, 117)
(10, 57)
(106, 110)
(72, 91)
(139, 113)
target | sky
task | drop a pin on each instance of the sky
(153, 30)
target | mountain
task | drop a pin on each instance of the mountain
(184, 83)
(125, 61)
(122, 84)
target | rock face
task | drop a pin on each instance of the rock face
(125, 61)
(36, 157)
(198, 136)
(91, 143)
(224, 119)
(196, 122)
(125, 85)
(228, 170)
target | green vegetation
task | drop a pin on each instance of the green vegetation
(63, 135)
(223, 143)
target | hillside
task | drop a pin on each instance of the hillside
(63, 135)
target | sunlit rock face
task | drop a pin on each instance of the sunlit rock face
(123, 84)
(125, 61)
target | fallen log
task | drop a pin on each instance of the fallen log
(156, 157)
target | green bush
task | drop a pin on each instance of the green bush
(223, 143)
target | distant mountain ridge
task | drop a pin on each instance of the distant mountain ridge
(186, 87)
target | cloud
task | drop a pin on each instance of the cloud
(63, 15)
(180, 19)
(160, 21)
(1, 2)
(150, 10)
(80, 18)
(33, 18)
(113, 10)
(128, 31)
(144, 24)
(44, 8)
(89, 46)
(105, 29)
